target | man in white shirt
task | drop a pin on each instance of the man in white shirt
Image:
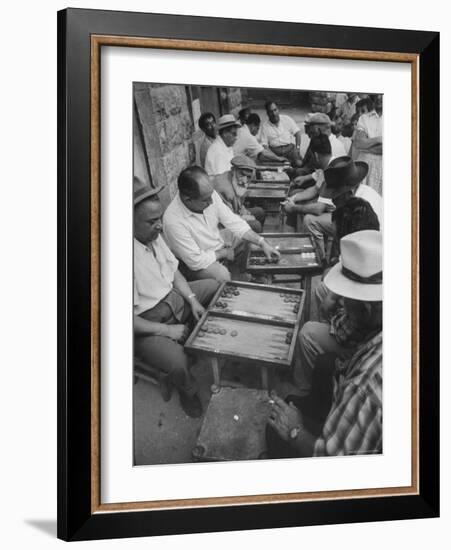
(220, 152)
(368, 140)
(247, 143)
(191, 227)
(165, 305)
(282, 135)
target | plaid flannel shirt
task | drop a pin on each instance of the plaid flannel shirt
(354, 423)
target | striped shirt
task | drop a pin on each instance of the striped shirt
(354, 423)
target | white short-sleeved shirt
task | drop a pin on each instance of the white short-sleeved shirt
(280, 134)
(371, 124)
(247, 144)
(194, 238)
(153, 273)
(217, 160)
(367, 193)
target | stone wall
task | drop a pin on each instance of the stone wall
(167, 130)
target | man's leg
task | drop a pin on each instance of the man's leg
(170, 357)
(215, 271)
(259, 214)
(204, 290)
(314, 342)
(318, 226)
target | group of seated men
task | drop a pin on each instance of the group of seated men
(207, 227)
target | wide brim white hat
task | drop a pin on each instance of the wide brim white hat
(358, 274)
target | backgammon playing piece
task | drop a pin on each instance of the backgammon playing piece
(234, 333)
(223, 331)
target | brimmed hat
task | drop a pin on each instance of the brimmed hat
(142, 191)
(358, 274)
(243, 162)
(226, 121)
(343, 174)
(317, 118)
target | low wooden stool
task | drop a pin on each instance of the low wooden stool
(234, 426)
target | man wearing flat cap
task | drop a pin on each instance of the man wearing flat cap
(316, 124)
(165, 305)
(220, 152)
(347, 420)
(232, 187)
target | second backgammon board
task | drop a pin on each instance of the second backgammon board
(298, 255)
(255, 323)
(267, 195)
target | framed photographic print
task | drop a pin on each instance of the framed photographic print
(248, 274)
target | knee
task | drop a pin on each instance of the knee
(220, 273)
(307, 333)
(255, 225)
(260, 214)
(310, 221)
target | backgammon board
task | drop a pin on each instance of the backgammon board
(255, 323)
(298, 251)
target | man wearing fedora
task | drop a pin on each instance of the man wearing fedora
(220, 152)
(165, 305)
(351, 423)
(192, 223)
(282, 135)
(232, 187)
(342, 180)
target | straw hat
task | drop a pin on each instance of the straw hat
(226, 121)
(358, 274)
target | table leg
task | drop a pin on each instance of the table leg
(264, 378)
(306, 285)
(216, 371)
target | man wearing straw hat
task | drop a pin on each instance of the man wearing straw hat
(165, 305)
(352, 423)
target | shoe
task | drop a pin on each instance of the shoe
(166, 387)
(191, 405)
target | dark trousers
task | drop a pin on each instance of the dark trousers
(166, 354)
(314, 407)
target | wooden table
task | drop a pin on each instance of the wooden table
(250, 323)
(268, 195)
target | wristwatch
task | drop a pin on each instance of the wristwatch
(294, 432)
(261, 240)
(191, 296)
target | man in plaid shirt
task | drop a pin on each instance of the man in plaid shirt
(353, 423)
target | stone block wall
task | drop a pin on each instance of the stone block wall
(168, 136)
(167, 129)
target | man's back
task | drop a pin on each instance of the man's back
(354, 423)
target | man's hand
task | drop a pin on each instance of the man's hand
(197, 308)
(289, 206)
(283, 418)
(269, 250)
(179, 333)
(225, 253)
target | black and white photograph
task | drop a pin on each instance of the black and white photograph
(257, 273)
